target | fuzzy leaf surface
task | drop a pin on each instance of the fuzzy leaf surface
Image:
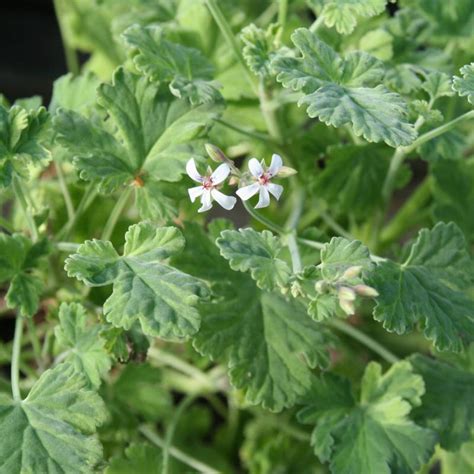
(54, 429)
(428, 289)
(145, 289)
(342, 91)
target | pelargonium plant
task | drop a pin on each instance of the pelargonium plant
(238, 239)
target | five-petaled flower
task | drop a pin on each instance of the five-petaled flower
(262, 185)
(208, 188)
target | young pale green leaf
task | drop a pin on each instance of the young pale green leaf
(138, 459)
(76, 93)
(258, 49)
(350, 181)
(340, 254)
(145, 289)
(437, 84)
(54, 429)
(19, 260)
(152, 137)
(268, 342)
(460, 461)
(85, 347)
(454, 194)
(187, 71)
(448, 405)
(464, 85)
(345, 91)
(21, 135)
(428, 289)
(344, 14)
(257, 253)
(373, 434)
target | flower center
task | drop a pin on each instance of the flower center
(207, 183)
(264, 179)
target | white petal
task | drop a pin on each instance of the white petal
(264, 198)
(206, 201)
(275, 190)
(192, 171)
(227, 202)
(220, 173)
(247, 192)
(194, 193)
(275, 165)
(255, 167)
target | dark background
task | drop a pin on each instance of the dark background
(31, 55)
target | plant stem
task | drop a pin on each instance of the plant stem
(35, 343)
(15, 364)
(332, 224)
(69, 53)
(282, 13)
(171, 360)
(20, 195)
(64, 190)
(244, 131)
(177, 453)
(294, 252)
(115, 214)
(317, 24)
(263, 220)
(408, 214)
(6, 225)
(268, 113)
(311, 243)
(364, 339)
(228, 34)
(67, 246)
(172, 428)
(88, 197)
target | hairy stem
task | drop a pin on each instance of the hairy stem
(172, 428)
(67, 246)
(246, 132)
(20, 195)
(65, 190)
(15, 364)
(269, 113)
(115, 214)
(282, 13)
(69, 53)
(35, 343)
(229, 37)
(263, 220)
(364, 339)
(177, 453)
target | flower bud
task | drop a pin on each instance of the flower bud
(321, 286)
(352, 272)
(286, 172)
(346, 293)
(233, 181)
(364, 290)
(347, 306)
(296, 290)
(215, 153)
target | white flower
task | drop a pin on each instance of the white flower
(208, 188)
(263, 185)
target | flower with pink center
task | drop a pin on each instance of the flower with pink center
(207, 190)
(262, 185)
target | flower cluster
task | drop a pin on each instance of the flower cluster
(258, 180)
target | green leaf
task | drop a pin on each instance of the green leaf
(258, 49)
(454, 194)
(350, 181)
(54, 429)
(267, 341)
(187, 71)
(437, 84)
(86, 348)
(76, 93)
(427, 289)
(137, 458)
(340, 254)
(345, 91)
(255, 252)
(19, 261)
(372, 433)
(459, 462)
(464, 85)
(146, 140)
(21, 134)
(344, 14)
(448, 405)
(145, 289)
(140, 390)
